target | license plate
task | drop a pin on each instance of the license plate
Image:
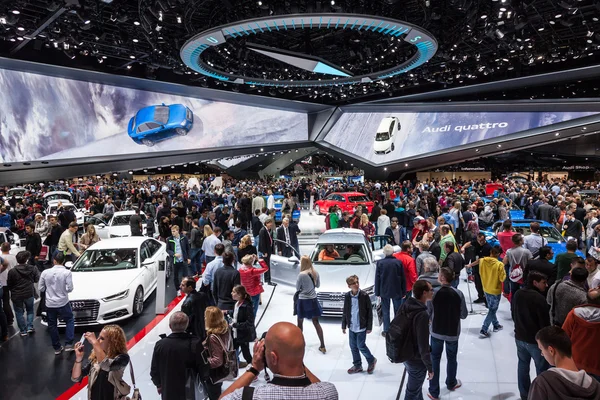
(82, 314)
(332, 304)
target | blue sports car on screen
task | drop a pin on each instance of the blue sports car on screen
(156, 123)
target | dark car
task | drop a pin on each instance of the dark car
(156, 123)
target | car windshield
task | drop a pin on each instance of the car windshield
(120, 220)
(340, 254)
(16, 193)
(382, 136)
(106, 260)
(58, 196)
(161, 114)
(552, 235)
(357, 199)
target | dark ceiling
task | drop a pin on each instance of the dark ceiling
(479, 41)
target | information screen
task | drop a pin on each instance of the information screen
(388, 137)
(49, 118)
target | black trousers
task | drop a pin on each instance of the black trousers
(10, 317)
(245, 346)
(478, 284)
(214, 391)
(267, 258)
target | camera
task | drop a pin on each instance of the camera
(262, 337)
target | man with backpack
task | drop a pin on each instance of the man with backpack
(407, 340)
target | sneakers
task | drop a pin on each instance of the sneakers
(24, 334)
(484, 333)
(371, 367)
(383, 334)
(498, 328)
(243, 364)
(458, 384)
(57, 352)
(323, 350)
(431, 396)
(479, 301)
(30, 330)
(69, 347)
(355, 370)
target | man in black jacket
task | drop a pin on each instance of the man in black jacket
(20, 282)
(530, 312)
(173, 356)
(265, 242)
(225, 278)
(33, 243)
(481, 249)
(194, 307)
(454, 261)
(55, 230)
(543, 265)
(419, 365)
(358, 316)
(446, 309)
(178, 247)
(390, 284)
(434, 245)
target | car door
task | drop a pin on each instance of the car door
(157, 256)
(284, 270)
(101, 227)
(146, 270)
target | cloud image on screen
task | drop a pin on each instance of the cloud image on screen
(48, 118)
(388, 137)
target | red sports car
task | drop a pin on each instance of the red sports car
(346, 201)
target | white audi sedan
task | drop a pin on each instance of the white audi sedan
(117, 226)
(386, 135)
(113, 278)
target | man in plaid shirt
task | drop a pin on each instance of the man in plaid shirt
(283, 348)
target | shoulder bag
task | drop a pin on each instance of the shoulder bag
(136, 392)
(230, 368)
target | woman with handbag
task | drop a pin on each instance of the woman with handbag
(242, 324)
(219, 344)
(106, 365)
(307, 305)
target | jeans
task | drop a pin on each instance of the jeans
(256, 244)
(385, 308)
(416, 371)
(195, 265)
(437, 346)
(525, 352)
(455, 282)
(255, 304)
(245, 346)
(180, 270)
(493, 302)
(209, 258)
(3, 323)
(358, 345)
(507, 281)
(20, 307)
(66, 313)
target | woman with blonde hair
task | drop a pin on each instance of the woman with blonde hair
(218, 340)
(88, 238)
(307, 305)
(106, 364)
(367, 226)
(246, 248)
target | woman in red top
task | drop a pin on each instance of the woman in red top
(250, 279)
(366, 225)
(505, 237)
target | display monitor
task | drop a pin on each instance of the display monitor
(384, 137)
(49, 118)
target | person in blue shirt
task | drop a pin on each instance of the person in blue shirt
(178, 247)
(358, 317)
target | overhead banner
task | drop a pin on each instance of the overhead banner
(388, 137)
(49, 118)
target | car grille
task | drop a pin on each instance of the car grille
(87, 310)
(325, 300)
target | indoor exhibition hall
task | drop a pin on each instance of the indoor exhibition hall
(299, 199)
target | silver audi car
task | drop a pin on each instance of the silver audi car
(337, 254)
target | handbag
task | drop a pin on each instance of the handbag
(230, 368)
(194, 388)
(296, 295)
(136, 392)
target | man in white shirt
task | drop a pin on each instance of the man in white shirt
(211, 268)
(270, 200)
(534, 241)
(57, 282)
(11, 261)
(209, 245)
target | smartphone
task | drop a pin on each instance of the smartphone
(82, 340)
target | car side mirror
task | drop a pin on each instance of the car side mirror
(294, 260)
(147, 262)
(101, 226)
(69, 264)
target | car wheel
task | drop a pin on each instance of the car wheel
(318, 210)
(181, 132)
(148, 142)
(138, 302)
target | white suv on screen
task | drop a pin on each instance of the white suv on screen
(386, 135)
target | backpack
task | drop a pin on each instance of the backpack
(516, 272)
(399, 342)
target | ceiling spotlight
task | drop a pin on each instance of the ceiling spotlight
(172, 167)
(114, 174)
(259, 3)
(20, 28)
(16, 12)
(557, 134)
(159, 168)
(136, 23)
(476, 150)
(179, 19)
(499, 145)
(145, 170)
(484, 16)
(333, 2)
(132, 57)
(100, 60)
(503, 9)
(129, 67)
(160, 16)
(261, 149)
(130, 172)
(385, 168)
(406, 164)
(135, 40)
(197, 164)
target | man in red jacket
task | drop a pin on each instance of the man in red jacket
(409, 265)
(583, 327)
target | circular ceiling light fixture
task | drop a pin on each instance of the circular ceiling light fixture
(322, 72)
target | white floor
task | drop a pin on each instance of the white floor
(486, 367)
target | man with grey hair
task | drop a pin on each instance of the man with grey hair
(431, 270)
(390, 284)
(424, 253)
(172, 356)
(287, 234)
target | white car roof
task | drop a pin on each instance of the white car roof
(56, 192)
(384, 126)
(130, 242)
(342, 235)
(128, 212)
(63, 202)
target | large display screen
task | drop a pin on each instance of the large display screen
(387, 137)
(49, 118)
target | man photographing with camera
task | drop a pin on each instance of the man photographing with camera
(282, 350)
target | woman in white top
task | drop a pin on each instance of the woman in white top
(383, 222)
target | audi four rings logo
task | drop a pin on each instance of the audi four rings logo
(336, 297)
(78, 304)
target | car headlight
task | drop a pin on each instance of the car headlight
(118, 296)
(370, 290)
(183, 123)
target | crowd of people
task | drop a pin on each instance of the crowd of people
(220, 240)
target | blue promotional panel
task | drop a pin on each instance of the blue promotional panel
(49, 118)
(388, 137)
